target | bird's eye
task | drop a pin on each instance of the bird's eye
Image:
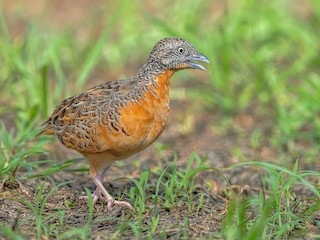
(180, 50)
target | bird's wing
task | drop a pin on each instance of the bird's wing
(82, 122)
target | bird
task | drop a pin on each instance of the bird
(116, 119)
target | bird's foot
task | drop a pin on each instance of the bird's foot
(119, 203)
(97, 196)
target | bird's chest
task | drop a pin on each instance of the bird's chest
(158, 113)
(143, 121)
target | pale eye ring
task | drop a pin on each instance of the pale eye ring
(180, 50)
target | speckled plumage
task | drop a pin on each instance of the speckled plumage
(117, 119)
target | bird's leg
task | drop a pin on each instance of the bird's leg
(96, 195)
(102, 194)
(108, 198)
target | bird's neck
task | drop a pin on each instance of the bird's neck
(155, 74)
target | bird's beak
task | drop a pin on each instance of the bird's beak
(199, 58)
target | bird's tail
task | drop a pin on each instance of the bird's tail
(47, 129)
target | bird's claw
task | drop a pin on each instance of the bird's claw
(97, 196)
(124, 204)
(111, 203)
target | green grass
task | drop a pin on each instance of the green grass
(265, 64)
(277, 213)
(273, 212)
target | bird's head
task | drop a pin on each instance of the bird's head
(177, 54)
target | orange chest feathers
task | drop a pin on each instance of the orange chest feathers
(143, 121)
(147, 118)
